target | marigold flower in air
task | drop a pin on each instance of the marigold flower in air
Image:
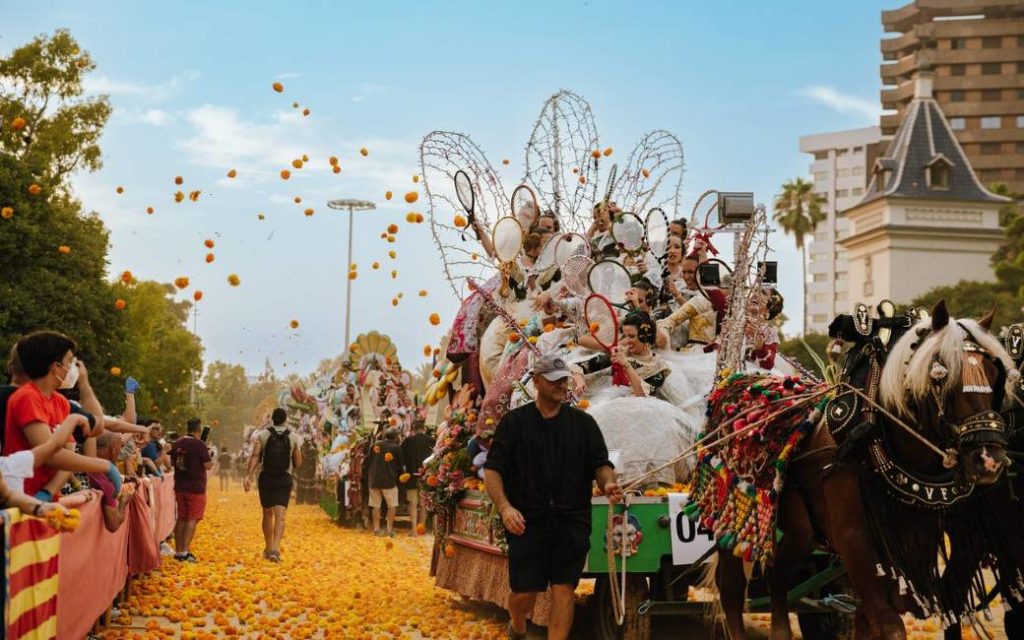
(181, 282)
(594, 327)
(415, 179)
(391, 238)
(260, 216)
(119, 190)
(232, 173)
(392, 228)
(608, 152)
(404, 478)
(419, 218)
(305, 112)
(364, 152)
(305, 157)
(295, 105)
(297, 199)
(297, 163)
(336, 169)
(583, 179)
(375, 265)
(388, 195)
(309, 212)
(412, 197)
(65, 249)
(34, 189)
(435, 319)
(352, 275)
(194, 196)
(149, 210)
(119, 304)
(394, 302)
(394, 274)
(7, 213)
(179, 196)
(127, 277)
(505, 161)
(285, 174)
(423, 293)
(411, 217)
(18, 124)
(427, 351)
(333, 160)
(115, 371)
(460, 221)
(210, 258)
(294, 324)
(646, 172)
(548, 328)
(208, 243)
(197, 295)
(392, 254)
(353, 266)
(234, 280)
(178, 180)
(474, 257)
(278, 87)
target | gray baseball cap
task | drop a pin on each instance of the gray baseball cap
(551, 366)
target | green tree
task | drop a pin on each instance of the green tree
(798, 210)
(971, 299)
(227, 400)
(796, 349)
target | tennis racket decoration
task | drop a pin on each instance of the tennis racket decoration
(507, 239)
(656, 232)
(603, 324)
(575, 274)
(524, 205)
(547, 257)
(569, 245)
(610, 279)
(464, 192)
(628, 233)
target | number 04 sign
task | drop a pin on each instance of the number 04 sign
(689, 540)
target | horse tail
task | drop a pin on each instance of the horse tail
(712, 612)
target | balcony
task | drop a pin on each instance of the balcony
(896, 48)
(889, 123)
(893, 72)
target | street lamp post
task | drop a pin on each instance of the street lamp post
(350, 206)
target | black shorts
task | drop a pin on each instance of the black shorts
(275, 489)
(550, 551)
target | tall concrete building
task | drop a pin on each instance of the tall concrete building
(841, 168)
(976, 50)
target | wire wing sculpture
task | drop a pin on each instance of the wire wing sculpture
(652, 176)
(751, 251)
(442, 154)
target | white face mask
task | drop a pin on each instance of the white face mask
(72, 377)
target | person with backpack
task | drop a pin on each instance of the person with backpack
(277, 451)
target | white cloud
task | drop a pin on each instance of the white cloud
(844, 103)
(222, 139)
(290, 74)
(161, 91)
(367, 89)
(154, 117)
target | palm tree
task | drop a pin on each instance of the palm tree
(798, 210)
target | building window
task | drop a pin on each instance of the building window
(820, 176)
(958, 43)
(990, 122)
(1020, 41)
(991, 69)
(841, 254)
(857, 171)
(1020, 122)
(842, 173)
(991, 95)
(990, 148)
(957, 96)
(1020, 147)
(856, 191)
(821, 155)
(1020, 67)
(957, 69)
(991, 42)
(841, 275)
(937, 173)
(1020, 94)
(958, 124)
(841, 152)
(842, 193)
(857, 150)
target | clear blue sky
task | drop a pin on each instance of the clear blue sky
(738, 82)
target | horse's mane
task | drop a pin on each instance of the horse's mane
(906, 377)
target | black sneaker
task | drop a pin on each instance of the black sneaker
(188, 557)
(179, 556)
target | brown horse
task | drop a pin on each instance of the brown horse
(935, 378)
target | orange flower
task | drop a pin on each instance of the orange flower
(181, 282)
(646, 172)
(297, 163)
(594, 327)
(391, 239)
(333, 160)
(583, 179)
(388, 195)
(305, 112)
(232, 173)
(197, 295)
(412, 197)
(419, 218)
(278, 87)
(294, 324)
(394, 302)
(608, 152)
(394, 274)
(18, 124)
(309, 212)
(421, 529)
(119, 190)
(178, 180)
(435, 319)
(194, 196)
(179, 196)
(234, 280)
(505, 161)
(296, 199)
(127, 277)
(305, 158)
(115, 371)
(449, 550)
(209, 258)
(336, 169)
(411, 217)
(65, 249)
(260, 216)
(34, 189)
(596, 153)
(119, 304)
(433, 481)
(460, 221)
(583, 404)
(7, 213)
(392, 228)
(427, 351)
(548, 328)
(285, 174)
(364, 152)
(149, 210)
(423, 293)
(388, 457)
(513, 337)
(404, 478)
(352, 275)
(376, 448)
(415, 179)
(208, 243)
(375, 265)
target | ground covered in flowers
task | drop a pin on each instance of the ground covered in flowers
(333, 583)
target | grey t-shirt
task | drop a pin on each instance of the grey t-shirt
(294, 437)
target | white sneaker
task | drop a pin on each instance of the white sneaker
(166, 549)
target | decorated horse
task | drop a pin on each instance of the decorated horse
(868, 465)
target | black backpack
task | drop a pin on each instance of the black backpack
(277, 453)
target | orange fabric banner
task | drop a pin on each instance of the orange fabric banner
(32, 551)
(143, 547)
(93, 569)
(163, 505)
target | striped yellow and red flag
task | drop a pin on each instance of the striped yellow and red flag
(31, 551)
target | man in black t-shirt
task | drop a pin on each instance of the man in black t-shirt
(538, 473)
